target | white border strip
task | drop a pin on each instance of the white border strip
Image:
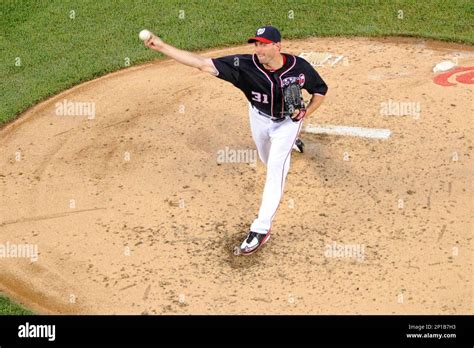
(372, 133)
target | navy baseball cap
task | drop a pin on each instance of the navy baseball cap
(266, 34)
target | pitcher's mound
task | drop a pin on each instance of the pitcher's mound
(132, 212)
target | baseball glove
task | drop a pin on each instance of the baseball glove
(293, 99)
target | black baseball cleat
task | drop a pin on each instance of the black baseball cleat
(299, 145)
(253, 242)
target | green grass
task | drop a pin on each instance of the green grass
(58, 52)
(7, 307)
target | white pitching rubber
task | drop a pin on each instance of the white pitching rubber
(372, 133)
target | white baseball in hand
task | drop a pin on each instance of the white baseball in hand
(144, 35)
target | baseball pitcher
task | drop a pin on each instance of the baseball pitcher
(272, 83)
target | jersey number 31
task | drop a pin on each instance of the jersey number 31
(258, 97)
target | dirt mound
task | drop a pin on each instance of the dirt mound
(132, 213)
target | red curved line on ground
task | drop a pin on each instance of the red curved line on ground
(442, 79)
(467, 78)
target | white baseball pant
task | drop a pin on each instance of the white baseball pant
(274, 141)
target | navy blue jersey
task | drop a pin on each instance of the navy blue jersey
(264, 88)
